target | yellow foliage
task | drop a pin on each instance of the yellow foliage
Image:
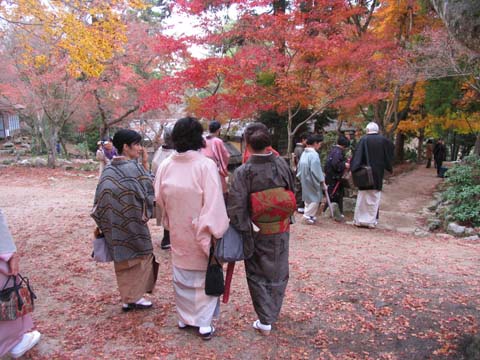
(90, 32)
(460, 122)
(402, 19)
(40, 60)
(193, 104)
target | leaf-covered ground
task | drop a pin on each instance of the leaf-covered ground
(353, 293)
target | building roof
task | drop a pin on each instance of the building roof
(6, 106)
(333, 126)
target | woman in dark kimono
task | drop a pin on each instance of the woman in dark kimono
(334, 169)
(262, 198)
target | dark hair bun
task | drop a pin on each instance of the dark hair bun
(258, 136)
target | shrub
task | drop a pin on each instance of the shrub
(463, 191)
(411, 155)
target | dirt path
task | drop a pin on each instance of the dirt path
(404, 197)
(353, 293)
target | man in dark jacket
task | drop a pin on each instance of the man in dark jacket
(334, 169)
(377, 151)
(439, 155)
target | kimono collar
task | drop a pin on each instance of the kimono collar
(187, 155)
(261, 158)
(119, 160)
(310, 149)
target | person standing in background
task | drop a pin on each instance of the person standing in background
(163, 153)
(378, 150)
(215, 150)
(334, 168)
(429, 152)
(311, 177)
(439, 154)
(297, 154)
(105, 153)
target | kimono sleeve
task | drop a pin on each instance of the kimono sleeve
(213, 219)
(389, 155)
(224, 157)
(357, 160)
(316, 170)
(238, 201)
(146, 182)
(162, 216)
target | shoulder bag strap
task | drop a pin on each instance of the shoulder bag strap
(366, 150)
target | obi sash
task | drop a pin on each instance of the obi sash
(271, 210)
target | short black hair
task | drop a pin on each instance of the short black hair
(314, 138)
(187, 134)
(258, 136)
(303, 136)
(214, 126)
(343, 141)
(125, 136)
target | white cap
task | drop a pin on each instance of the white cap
(372, 128)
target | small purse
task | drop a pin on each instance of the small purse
(100, 253)
(230, 247)
(214, 282)
(18, 300)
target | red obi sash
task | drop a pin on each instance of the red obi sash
(271, 210)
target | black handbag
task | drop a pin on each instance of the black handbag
(363, 177)
(214, 282)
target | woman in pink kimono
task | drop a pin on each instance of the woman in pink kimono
(189, 193)
(215, 150)
(15, 335)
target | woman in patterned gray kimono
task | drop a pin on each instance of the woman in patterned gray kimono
(262, 197)
(122, 207)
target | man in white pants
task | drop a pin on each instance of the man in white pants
(376, 151)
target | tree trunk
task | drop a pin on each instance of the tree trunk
(64, 147)
(454, 149)
(421, 138)
(290, 135)
(399, 147)
(476, 151)
(52, 150)
(104, 131)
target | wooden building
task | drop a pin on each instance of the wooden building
(9, 120)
